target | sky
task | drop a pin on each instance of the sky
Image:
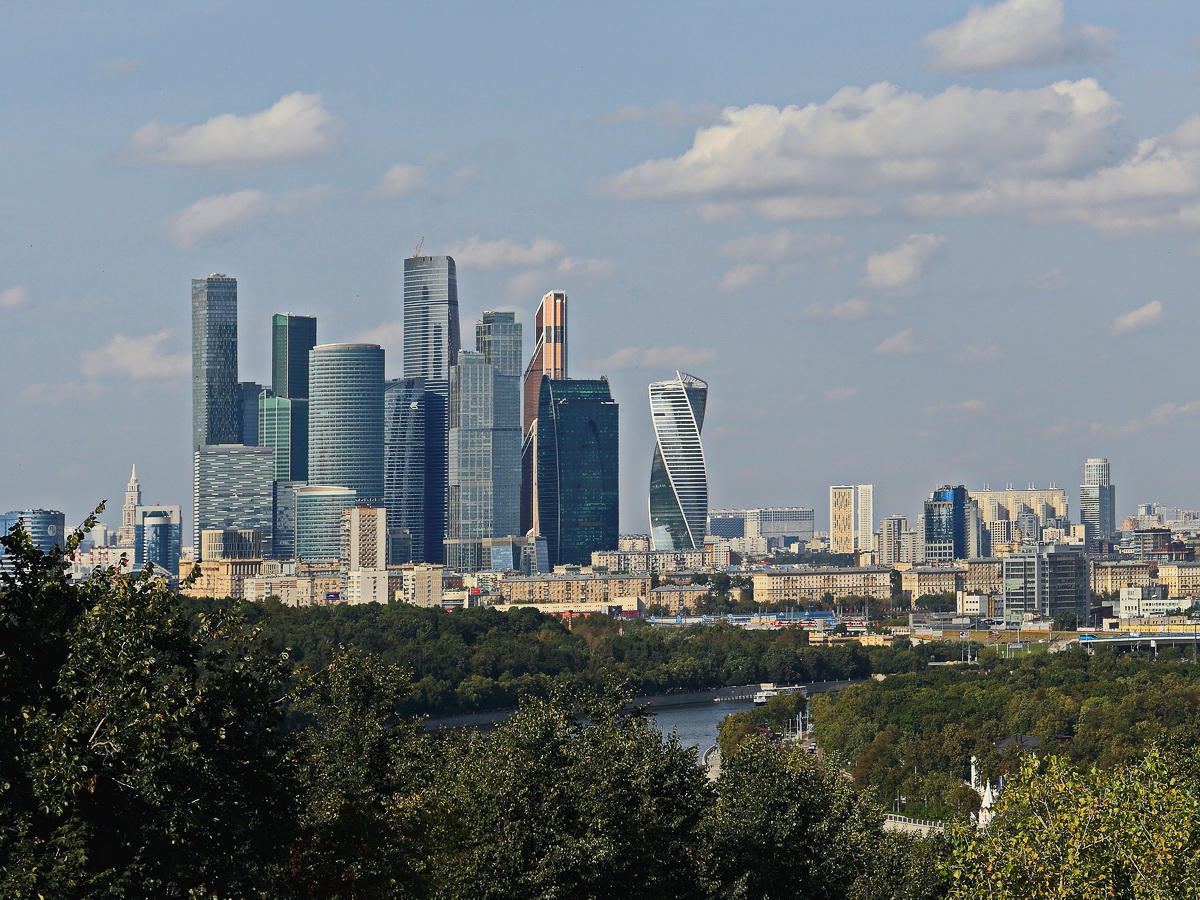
(905, 244)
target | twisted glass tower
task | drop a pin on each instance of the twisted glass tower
(678, 480)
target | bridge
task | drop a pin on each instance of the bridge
(1138, 640)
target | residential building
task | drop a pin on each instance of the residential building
(431, 346)
(638, 562)
(842, 533)
(893, 548)
(806, 585)
(1181, 580)
(563, 589)
(1110, 577)
(576, 469)
(345, 427)
(233, 488)
(214, 361)
(864, 513)
(421, 585)
(678, 478)
(1028, 510)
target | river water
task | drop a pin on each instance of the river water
(696, 726)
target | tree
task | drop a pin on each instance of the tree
(1131, 831)
(1066, 621)
(784, 826)
(139, 746)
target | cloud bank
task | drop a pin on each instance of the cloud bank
(136, 358)
(1138, 319)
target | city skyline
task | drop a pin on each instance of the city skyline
(944, 258)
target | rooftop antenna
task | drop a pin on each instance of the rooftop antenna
(420, 244)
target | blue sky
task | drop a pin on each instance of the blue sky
(905, 244)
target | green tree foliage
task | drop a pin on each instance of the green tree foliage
(946, 602)
(140, 746)
(1130, 831)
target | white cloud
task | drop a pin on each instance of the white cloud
(296, 127)
(137, 358)
(846, 311)
(966, 406)
(829, 158)
(588, 268)
(978, 353)
(837, 395)
(536, 282)
(1168, 413)
(1138, 319)
(656, 358)
(1016, 33)
(56, 393)
(899, 344)
(14, 297)
(402, 179)
(780, 246)
(742, 277)
(1051, 280)
(223, 211)
(474, 253)
(388, 335)
(898, 271)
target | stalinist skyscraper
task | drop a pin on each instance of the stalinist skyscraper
(127, 533)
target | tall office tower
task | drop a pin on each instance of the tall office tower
(158, 534)
(233, 488)
(248, 393)
(864, 512)
(576, 469)
(431, 345)
(133, 499)
(1098, 502)
(947, 529)
(404, 460)
(283, 410)
(678, 478)
(549, 359)
(484, 443)
(47, 528)
(319, 509)
(892, 543)
(283, 531)
(345, 424)
(841, 518)
(214, 361)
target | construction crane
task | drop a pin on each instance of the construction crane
(420, 244)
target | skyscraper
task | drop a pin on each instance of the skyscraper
(248, 393)
(404, 459)
(283, 410)
(431, 345)
(678, 478)
(864, 512)
(953, 525)
(549, 360)
(233, 488)
(158, 533)
(214, 361)
(1098, 501)
(576, 469)
(345, 425)
(485, 460)
(841, 518)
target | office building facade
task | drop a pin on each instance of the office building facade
(549, 360)
(214, 361)
(319, 509)
(158, 535)
(248, 393)
(431, 346)
(345, 422)
(678, 477)
(1046, 581)
(404, 460)
(1098, 501)
(292, 337)
(576, 469)
(233, 488)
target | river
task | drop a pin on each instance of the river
(696, 726)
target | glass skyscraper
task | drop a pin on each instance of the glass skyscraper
(283, 410)
(248, 393)
(345, 422)
(431, 345)
(1097, 501)
(549, 360)
(576, 469)
(158, 533)
(233, 488)
(214, 361)
(404, 459)
(292, 337)
(678, 479)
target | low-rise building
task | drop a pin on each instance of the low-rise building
(808, 584)
(1109, 577)
(572, 589)
(639, 562)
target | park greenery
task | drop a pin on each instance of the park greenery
(152, 747)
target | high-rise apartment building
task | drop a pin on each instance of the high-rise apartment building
(892, 542)
(576, 469)
(431, 345)
(842, 533)
(549, 360)
(678, 478)
(233, 488)
(214, 361)
(133, 499)
(345, 425)
(404, 460)
(1098, 502)
(864, 513)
